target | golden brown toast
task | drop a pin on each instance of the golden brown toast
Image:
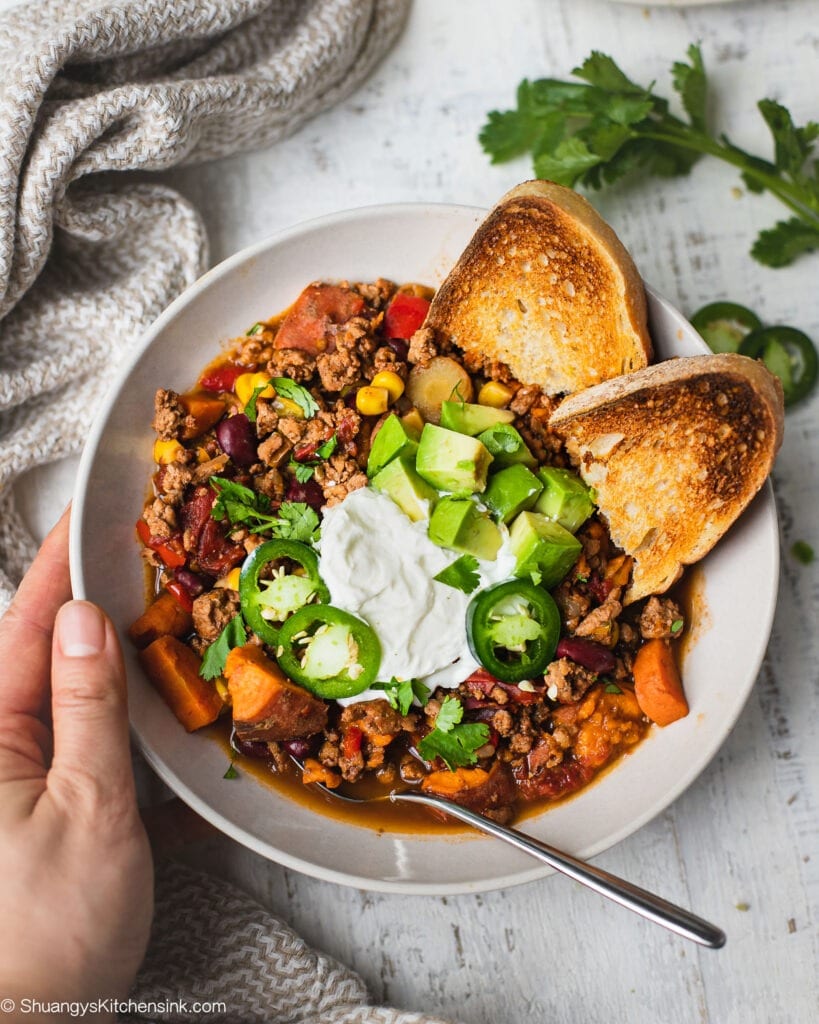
(546, 287)
(675, 453)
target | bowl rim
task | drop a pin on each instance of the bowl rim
(175, 782)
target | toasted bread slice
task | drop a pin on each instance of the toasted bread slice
(546, 287)
(675, 452)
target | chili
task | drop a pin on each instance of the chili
(723, 325)
(788, 353)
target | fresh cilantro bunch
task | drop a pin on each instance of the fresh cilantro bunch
(241, 506)
(454, 743)
(595, 131)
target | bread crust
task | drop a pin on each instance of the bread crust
(675, 453)
(546, 287)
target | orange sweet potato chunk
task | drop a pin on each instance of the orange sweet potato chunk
(173, 668)
(163, 618)
(657, 683)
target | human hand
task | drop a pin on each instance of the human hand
(76, 886)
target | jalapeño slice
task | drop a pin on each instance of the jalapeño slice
(266, 602)
(723, 325)
(513, 629)
(788, 353)
(328, 651)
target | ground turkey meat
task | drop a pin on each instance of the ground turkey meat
(657, 618)
(338, 477)
(274, 450)
(566, 681)
(423, 346)
(169, 414)
(598, 624)
(213, 611)
(293, 363)
(160, 517)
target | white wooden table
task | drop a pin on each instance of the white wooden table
(741, 846)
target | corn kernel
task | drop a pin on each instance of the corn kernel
(222, 690)
(166, 452)
(230, 580)
(202, 455)
(495, 394)
(247, 383)
(372, 401)
(391, 382)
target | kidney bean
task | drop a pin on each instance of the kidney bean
(399, 347)
(193, 583)
(237, 438)
(599, 589)
(250, 748)
(309, 492)
(593, 656)
(299, 748)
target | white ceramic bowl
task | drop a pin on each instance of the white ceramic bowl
(405, 243)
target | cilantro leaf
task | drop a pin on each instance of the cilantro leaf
(454, 743)
(250, 407)
(303, 471)
(462, 574)
(297, 521)
(449, 714)
(231, 772)
(400, 693)
(324, 451)
(613, 688)
(780, 245)
(233, 635)
(598, 130)
(241, 506)
(287, 388)
(257, 328)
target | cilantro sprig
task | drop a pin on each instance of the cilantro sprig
(462, 574)
(401, 692)
(233, 635)
(285, 388)
(241, 506)
(598, 130)
(303, 471)
(453, 742)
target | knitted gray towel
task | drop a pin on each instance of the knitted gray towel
(212, 944)
(89, 256)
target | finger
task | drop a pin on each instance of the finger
(89, 706)
(26, 628)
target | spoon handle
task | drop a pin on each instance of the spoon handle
(656, 909)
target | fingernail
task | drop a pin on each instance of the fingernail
(80, 629)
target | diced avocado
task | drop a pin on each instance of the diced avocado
(471, 419)
(393, 439)
(331, 652)
(459, 524)
(413, 423)
(451, 461)
(410, 493)
(510, 491)
(543, 547)
(506, 447)
(565, 498)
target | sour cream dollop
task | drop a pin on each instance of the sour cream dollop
(380, 565)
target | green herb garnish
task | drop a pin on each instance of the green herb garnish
(613, 688)
(241, 506)
(600, 129)
(231, 772)
(462, 574)
(802, 552)
(325, 450)
(233, 635)
(400, 693)
(455, 744)
(676, 626)
(287, 388)
(257, 328)
(303, 471)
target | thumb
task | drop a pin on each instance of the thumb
(89, 704)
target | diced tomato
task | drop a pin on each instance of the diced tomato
(600, 589)
(195, 513)
(222, 378)
(351, 743)
(405, 314)
(535, 781)
(169, 549)
(181, 596)
(482, 682)
(315, 311)
(304, 452)
(217, 554)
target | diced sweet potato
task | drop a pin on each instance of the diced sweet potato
(163, 618)
(266, 704)
(308, 323)
(203, 411)
(315, 771)
(173, 668)
(474, 788)
(657, 683)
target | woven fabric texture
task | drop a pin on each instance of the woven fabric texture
(212, 943)
(90, 255)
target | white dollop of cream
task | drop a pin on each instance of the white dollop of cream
(379, 565)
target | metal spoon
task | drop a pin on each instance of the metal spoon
(652, 907)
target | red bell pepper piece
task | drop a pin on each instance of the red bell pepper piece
(169, 549)
(351, 742)
(405, 314)
(222, 378)
(182, 597)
